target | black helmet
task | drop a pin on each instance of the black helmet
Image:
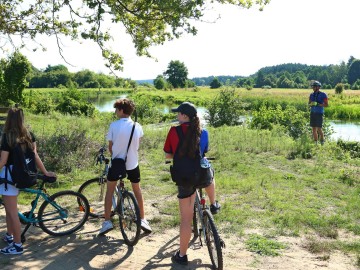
(315, 83)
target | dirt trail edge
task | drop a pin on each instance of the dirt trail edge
(85, 250)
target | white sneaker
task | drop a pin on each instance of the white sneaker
(145, 226)
(107, 226)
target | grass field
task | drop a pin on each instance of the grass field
(261, 184)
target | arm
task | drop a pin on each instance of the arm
(4, 155)
(110, 147)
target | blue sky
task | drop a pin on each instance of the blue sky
(313, 32)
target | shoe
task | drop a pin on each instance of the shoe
(107, 226)
(12, 249)
(145, 226)
(215, 208)
(180, 260)
(322, 142)
(8, 238)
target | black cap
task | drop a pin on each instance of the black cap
(186, 108)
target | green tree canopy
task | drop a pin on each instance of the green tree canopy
(13, 78)
(354, 71)
(148, 22)
(176, 74)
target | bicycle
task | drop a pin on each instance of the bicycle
(205, 229)
(59, 214)
(124, 203)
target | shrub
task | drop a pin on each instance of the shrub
(224, 109)
(339, 88)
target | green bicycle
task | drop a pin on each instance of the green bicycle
(60, 214)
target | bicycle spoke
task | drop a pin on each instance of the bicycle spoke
(129, 218)
(62, 215)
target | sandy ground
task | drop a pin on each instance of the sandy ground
(85, 250)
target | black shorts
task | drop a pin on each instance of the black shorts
(133, 175)
(316, 120)
(185, 192)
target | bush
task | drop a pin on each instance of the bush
(224, 109)
(339, 88)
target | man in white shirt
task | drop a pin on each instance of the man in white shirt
(118, 138)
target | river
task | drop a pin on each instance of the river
(347, 131)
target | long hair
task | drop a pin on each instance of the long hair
(15, 130)
(190, 146)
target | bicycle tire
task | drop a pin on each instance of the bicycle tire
(129, 218)
(196, 221)
(213, 241)
(61, 213)
(94, 191)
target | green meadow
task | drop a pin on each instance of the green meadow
(262, 181)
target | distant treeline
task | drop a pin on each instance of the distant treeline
(279, 76)
(295, 76)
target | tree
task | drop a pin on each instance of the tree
(354, 71)
(147, 22)
(160, 82)
(14, 78)
(215, 83)
(176, 74)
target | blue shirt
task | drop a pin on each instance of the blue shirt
(318, 97)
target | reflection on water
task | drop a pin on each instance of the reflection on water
(347, 131)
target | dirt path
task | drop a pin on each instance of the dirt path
(84, 250)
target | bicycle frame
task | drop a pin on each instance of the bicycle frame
(200, 203)
(30, 218)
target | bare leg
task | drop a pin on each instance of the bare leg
(186, 215)
(110, 188)
(140, 200)
(12, 218)
(315, 134)
(210, 190)
(321, 133)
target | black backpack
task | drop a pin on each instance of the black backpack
(185, 171)
(23, 172)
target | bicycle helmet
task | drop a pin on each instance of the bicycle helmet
(315, 83)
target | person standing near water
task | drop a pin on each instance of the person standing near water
(317, 101)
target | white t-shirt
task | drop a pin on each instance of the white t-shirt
(119, 134)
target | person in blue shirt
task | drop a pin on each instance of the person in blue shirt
(317, 101)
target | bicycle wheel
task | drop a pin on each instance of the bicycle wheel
(129, 218)
(213, 242)
(94, 191)
(196, 221)
(61, 214)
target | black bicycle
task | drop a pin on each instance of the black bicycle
(124, 203)
(60, 214)
(205, 229)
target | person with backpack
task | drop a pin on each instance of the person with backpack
(15, 136)
(124, 140)
(317, 101)
(186, 156)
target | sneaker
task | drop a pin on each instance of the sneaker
(322, 142)
(145, 226)
(107, 226)
(12, 249)
(180, 260)
(8, 238)
(215, 208)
